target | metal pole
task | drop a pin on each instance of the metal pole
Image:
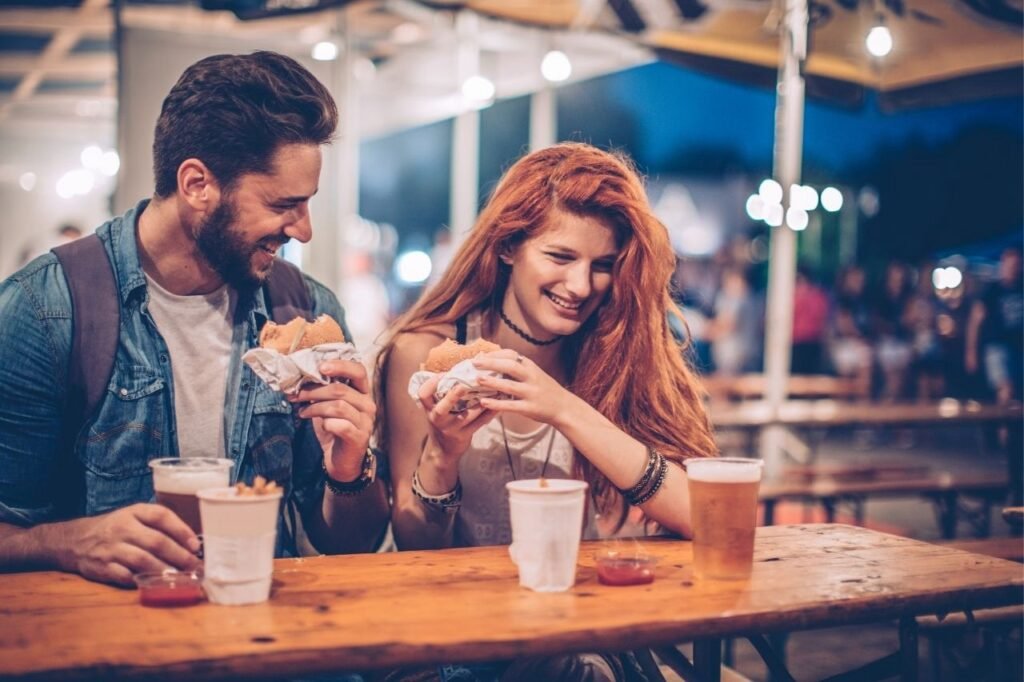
(543, 118)
(789, 125)
(322, 257)
(465, 172)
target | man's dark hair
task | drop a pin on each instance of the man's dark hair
(233, 112)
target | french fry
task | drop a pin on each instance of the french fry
(260, 486)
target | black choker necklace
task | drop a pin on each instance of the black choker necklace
(524, 335)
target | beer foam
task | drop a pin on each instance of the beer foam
(712, 470)
(185, 479)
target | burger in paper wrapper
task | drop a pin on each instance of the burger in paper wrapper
(454, 362)
(450, 353)
(290, 354)
(300, 334)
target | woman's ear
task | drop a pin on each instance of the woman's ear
(505, 253)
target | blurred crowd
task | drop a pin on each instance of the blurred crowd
(903, 333)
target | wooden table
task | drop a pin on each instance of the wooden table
(382, 610)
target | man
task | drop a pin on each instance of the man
(236, 159)
(995, 329)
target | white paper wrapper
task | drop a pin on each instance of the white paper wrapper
(464, 373)
(287, 373)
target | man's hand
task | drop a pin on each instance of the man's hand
(343, 413)
(143, 537)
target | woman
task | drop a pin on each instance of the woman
(568, 271)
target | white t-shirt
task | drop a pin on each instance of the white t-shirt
(197, 331)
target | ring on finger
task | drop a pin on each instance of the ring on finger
(519, 358)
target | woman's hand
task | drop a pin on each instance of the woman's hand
(451, 432)
(532, 392)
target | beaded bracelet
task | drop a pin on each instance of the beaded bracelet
(655, 485)
(652, 465)
(366, 477)
(449, 502)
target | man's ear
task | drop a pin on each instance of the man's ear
(197, 185)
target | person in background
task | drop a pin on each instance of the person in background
(810, 317)
(237, 157)
(996, 327)
(893, 350)
(68, 232)
(734, 329)
(920, 318)
(951, 321)
(568, 271)
(848, 341)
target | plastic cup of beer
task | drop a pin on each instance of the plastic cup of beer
(723, 513)
(239, 536)
(176, 480)
(547, 521)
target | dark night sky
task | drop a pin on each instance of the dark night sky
(947, 175)
(677, 108)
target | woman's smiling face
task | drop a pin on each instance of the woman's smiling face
(561, 275)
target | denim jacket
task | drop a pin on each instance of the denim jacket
(135, 421)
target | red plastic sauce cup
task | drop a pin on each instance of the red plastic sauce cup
(620, 571)
(170, 589)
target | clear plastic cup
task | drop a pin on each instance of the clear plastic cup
(177, 479)
(547, 521)
(239, 536)
(723, 514)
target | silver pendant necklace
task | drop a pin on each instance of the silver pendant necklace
(508, 452)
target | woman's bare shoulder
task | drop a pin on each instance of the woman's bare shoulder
(415, 345)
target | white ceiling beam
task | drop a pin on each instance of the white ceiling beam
(62, 42)
(88, 66)
(45, 21)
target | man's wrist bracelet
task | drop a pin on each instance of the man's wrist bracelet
(366, 478)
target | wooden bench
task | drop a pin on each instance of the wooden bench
(942, 488)
(1011, 548)
(799, 386)
(944, 633)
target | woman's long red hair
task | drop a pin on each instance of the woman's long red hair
(624, 360)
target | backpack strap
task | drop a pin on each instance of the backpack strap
(460, 330)
(287, 296)
(95, 329)
(96, 323)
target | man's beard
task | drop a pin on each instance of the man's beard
(224, 248)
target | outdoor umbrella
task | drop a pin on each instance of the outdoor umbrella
(941, 48)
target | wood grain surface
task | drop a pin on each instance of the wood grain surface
(381, 610)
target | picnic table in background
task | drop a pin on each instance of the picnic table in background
(1014, 516)
(377, 611)
(753, 416)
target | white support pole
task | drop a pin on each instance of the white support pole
(789, 124)
(322, 258)
(543, 118)
(465, 173)
(348, 149)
